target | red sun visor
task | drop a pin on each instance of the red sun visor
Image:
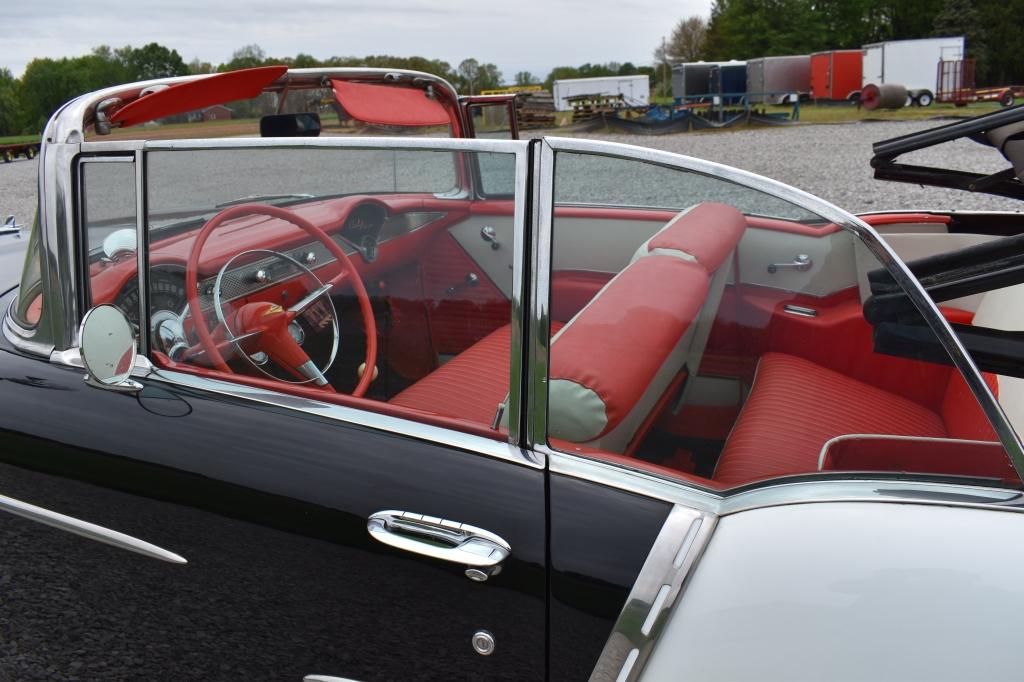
(389, 104)
(197, 94)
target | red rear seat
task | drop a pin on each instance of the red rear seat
(795, 406)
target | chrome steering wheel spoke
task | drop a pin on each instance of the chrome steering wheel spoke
(310, 370)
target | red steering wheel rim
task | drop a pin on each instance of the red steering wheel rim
(192, 283)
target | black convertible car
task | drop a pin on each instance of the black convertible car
(334, 390)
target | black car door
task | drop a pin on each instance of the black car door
(267, 497)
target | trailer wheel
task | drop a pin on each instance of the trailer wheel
(8, 156)
(1007, 99)
(924, 99)
(910, 101)
(30, 153)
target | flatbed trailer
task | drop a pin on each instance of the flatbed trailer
(956, 86)
(9, 152)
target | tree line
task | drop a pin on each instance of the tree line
(745, 29)
(27, 103)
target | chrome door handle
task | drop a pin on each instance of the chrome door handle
(430, 536)
(802, 263)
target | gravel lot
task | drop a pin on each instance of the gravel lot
(831, 161)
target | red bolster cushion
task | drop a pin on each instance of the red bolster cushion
(604, 359)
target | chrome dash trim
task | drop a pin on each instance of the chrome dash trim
(356, 416)
(87, 530)
(661, 581)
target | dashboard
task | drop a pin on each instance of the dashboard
(365, 229)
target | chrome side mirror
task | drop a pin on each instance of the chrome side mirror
(107, 345)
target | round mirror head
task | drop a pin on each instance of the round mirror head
(107, 345)
(119, 243)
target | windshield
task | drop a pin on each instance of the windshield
(181, 186)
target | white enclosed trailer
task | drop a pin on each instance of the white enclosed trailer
(636, 90)
(911, 63)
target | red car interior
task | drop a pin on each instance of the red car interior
(629, 347)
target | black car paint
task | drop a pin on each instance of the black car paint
(269, 507)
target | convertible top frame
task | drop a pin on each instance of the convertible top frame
(1004, 183)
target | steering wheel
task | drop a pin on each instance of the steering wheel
(264, 324)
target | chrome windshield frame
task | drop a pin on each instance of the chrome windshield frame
(542, 236)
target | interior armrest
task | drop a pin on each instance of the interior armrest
(879, 452)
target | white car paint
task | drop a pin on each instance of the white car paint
(851, 591)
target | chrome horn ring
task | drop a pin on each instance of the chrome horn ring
(324, 291)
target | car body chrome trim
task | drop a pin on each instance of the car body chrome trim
(87, 530)
(520, 306)
(635, 481)
(540, 295)
(661, 581)
(20, 337)
(835, 487)
(871, 239)
(352, 415)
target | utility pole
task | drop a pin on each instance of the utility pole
(664, 67)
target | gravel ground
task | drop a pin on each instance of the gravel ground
(18, 190)
(831, 161)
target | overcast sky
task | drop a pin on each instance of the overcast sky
(530, 35)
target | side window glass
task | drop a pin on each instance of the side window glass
(727, 336)
(108, 206)
(336, 272)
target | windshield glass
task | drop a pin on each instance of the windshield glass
(182, 188)
(241, 118)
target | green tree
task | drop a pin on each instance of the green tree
(11, 122)
(151, 61)
(196, 67)
(245, 57)
(525, 78)
(685, 44)
(960, 17)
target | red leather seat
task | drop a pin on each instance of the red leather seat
(471, 385)
(795, 406)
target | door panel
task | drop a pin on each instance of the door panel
(600, 538)
(269, 507)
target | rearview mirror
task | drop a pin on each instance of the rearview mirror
(107, 346)
(290, 125)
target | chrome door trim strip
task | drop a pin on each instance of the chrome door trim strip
(778, 493)
(630, 480)
(873, 490)
(871, 239)
(87, 530)
(354, 416)
(520, 285)
(661, 581)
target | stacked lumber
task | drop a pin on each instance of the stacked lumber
(535, 109)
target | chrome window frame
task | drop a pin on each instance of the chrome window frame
(542, 241)
(68, 272)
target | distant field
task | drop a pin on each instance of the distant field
(825, 113)
(19, 139)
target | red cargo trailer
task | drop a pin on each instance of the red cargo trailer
(836, 74)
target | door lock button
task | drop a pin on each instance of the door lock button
(483, 642)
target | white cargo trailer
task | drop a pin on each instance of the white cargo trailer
(911, 63)
(636, 90)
